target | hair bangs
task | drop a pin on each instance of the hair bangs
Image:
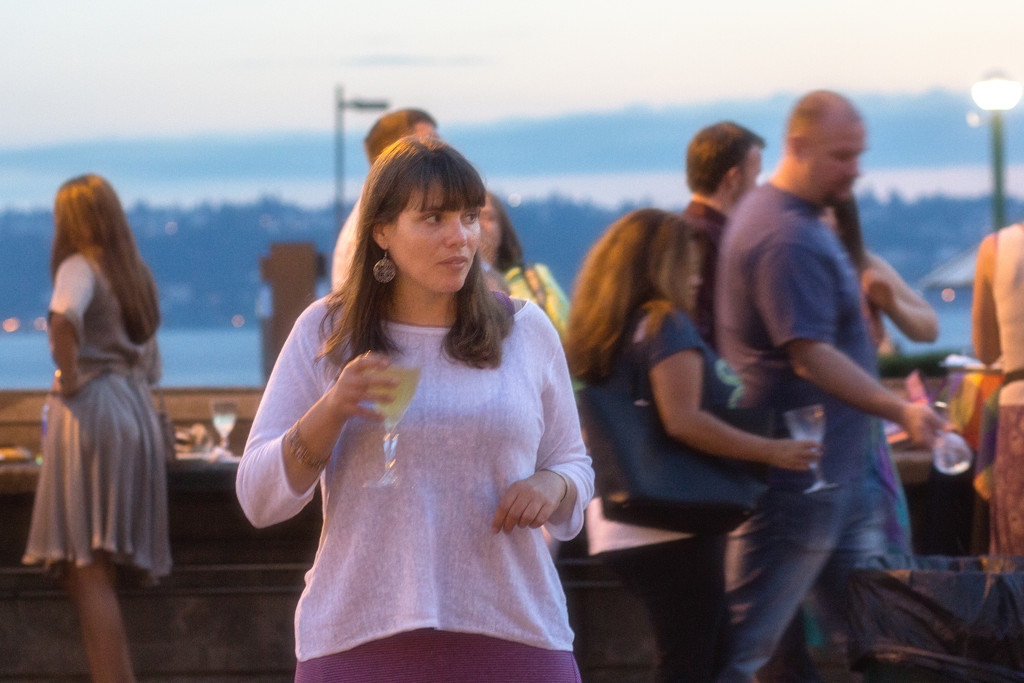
(448, 183)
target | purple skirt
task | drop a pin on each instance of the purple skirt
(432, 656)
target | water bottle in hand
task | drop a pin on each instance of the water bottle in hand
(951, 454)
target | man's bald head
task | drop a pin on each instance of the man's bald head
(817, 109)
(824, 140)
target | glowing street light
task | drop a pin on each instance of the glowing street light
(997, 94)
(340, 105)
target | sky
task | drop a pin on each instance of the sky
(103, 69)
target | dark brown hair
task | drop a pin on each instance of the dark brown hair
(644, 261)
(848, 230)
(437, 176)
(714, 150)
(510, 249)
(89, 220)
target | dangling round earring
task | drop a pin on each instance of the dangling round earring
(384, 270)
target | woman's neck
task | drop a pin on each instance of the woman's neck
(423, 309)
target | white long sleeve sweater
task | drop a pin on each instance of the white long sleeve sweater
(421, 554)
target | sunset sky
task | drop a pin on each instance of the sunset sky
(88, 70)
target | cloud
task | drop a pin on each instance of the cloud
(419, 61)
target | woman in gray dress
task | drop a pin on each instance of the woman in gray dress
(102, 494)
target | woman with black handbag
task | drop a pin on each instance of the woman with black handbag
(630, 329)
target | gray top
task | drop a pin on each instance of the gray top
(82, 294)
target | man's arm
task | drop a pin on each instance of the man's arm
(835, 373)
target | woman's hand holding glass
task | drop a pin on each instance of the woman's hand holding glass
(791, 454)
(404, 380)
(808, 422)
(372, 387)
(358, 389)
(530, 502)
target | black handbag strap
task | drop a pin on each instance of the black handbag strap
(637, 368)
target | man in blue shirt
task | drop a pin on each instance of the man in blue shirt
(789, 321)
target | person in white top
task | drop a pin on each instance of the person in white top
(387, 130)
(448, 561)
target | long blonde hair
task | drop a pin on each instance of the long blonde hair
(431, 171)
(645, 261)
(89, 220)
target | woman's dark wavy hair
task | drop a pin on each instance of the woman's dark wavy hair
(848, 229)
(89, 220)
(510, 250)
(644, 262)
(438, 177)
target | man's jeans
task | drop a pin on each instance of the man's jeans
(795, 542)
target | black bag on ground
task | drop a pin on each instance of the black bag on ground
(916, 617)
(646, 477)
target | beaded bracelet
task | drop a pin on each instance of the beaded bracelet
(301, 452)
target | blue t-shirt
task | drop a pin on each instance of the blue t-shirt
(721, 386)
(783, 275)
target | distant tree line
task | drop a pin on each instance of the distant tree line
(206, 259)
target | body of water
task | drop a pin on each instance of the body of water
(954, 326)
(23, 189)
(232, 357)
(192, 357)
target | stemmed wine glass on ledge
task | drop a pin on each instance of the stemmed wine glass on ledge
(225, 413)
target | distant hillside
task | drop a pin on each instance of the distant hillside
(206, 259)
(905, 131)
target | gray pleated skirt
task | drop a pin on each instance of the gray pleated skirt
(103, 481)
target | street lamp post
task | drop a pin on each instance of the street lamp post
(997, 94)
(340, 105)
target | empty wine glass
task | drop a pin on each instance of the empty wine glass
(808, 423)
(225, 413)
(408, 378)
(951, 454)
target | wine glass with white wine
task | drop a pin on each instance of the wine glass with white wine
(808, 423)
(408, 378)
(225, 413)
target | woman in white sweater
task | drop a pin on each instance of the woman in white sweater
(443, 575)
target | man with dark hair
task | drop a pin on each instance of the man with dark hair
(722, 164)
(789, 322)
(388, 129)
